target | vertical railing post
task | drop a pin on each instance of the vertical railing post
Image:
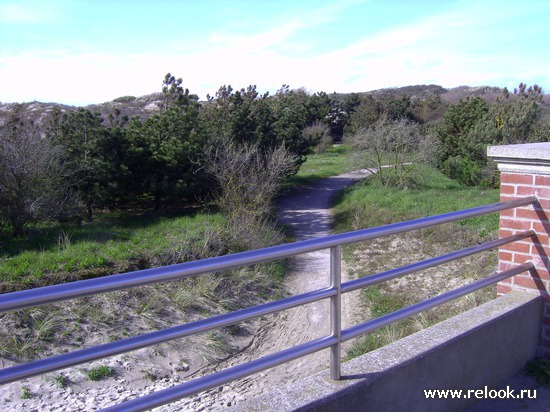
(335, 310)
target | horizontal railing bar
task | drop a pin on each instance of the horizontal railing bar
(126, 345)
(195, 386)
(412, 310)
(27, 370)
(55, 293)
(426, 264)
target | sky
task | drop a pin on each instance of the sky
(80, 52)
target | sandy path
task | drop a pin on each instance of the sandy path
(308, 211)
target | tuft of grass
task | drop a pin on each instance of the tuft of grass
(26, 393)
(61, 381)
(215, 347)
(99, 372)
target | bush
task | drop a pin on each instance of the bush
(248, 181)
(388, 147)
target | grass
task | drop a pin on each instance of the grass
(371, 204)
(61, 381)
(334, 161)
(119, 242)
(115, 243)
(112, 243)
(540, 370)
(99, 372)
(26, 393)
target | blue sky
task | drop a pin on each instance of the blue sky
(80, 52)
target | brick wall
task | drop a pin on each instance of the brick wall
(536, 249)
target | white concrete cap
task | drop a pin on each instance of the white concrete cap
(522, 158)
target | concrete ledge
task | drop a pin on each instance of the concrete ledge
(485, 346)
(522, 158)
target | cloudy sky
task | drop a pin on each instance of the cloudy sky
(91, 51)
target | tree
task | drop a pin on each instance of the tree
(78, 133)
(340, 114)
(34, 184)
(428, 109)
(464, 141)
(365, 115)
(387, 147)
(245, 117)
(472, 124)
(394, 107)
(164, 150)
(516, 115)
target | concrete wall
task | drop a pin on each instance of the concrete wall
(485, 346)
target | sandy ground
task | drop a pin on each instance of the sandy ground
(308, 212)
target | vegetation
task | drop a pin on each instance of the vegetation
(33, 183)
(539, 369)
(99, 372)
(86, 194)
(388, 143)
(61, 381)
(473, 124)
(373, 204)
(333, 161)
(26, 393)
(112, 243)
(249, 180)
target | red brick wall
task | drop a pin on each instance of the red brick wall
(536, 250)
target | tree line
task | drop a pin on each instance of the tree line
(84, 162)
(451, 137)
(188, 150)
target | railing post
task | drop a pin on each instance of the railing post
(525, 171)
(335, 309)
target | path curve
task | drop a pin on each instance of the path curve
(308, 212)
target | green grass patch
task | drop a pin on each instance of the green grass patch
(372, 204)
(383, 303)
(112, 243)
(99, 372)
(334, 161)
(540, 370)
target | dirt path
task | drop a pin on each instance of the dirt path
(308, 211)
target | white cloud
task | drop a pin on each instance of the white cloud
(442, 49)
(462, 46)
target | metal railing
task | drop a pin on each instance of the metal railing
(50, 294)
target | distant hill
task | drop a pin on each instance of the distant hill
(144, 106)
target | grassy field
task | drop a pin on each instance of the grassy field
(112, 243)
(370, 204)
(115, 243)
